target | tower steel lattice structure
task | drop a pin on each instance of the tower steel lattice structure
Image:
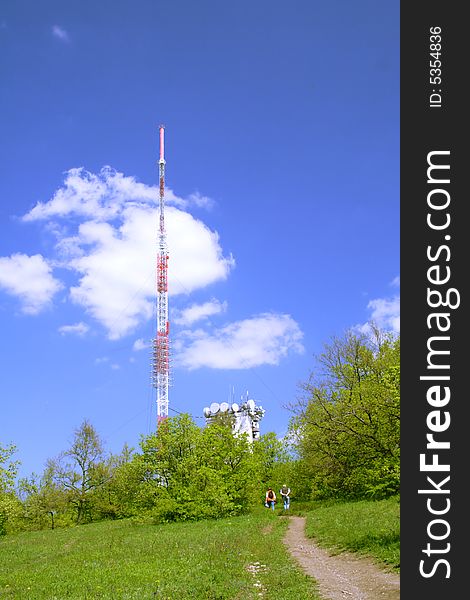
(161, 343)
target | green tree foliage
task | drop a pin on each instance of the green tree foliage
(192, 473)
(81, 485)
(9, 505)
(347, 423)
(44, 502)
(186, 472)
(117, 496)
(182, 472)
(80, 470)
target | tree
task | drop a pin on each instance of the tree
(192, 472)
(8, 467)
(270, 453)
(117, 497)
(347, 423)
(43, 501)
(230, 460)
(9, 505)
(81, 469)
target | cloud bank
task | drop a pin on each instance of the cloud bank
(105, 228)
(261, 340)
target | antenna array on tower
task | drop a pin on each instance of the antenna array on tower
(161, 343)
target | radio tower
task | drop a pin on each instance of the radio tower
(161, 350)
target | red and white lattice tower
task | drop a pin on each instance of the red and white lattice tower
(161, 349)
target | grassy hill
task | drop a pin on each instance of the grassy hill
(233, 558)
(366, 527)
(230, 558)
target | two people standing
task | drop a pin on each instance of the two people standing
(270, 500)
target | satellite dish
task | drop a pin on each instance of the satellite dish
(215, 408)
(251, 404)
(235, 407)
(224, 407)
(206, 411)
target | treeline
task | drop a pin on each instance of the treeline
(183, 472)
(343, 442)
(346, 427)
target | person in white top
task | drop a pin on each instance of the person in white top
(285, 495)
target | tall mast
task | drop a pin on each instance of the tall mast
(161, 344)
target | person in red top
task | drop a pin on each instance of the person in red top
(270, 498)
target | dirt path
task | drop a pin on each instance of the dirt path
(345, 576)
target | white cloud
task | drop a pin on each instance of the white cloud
(77, 329)
(386, 313)
(105, 195)
(106, 230)
(116, 268)
(196, 312)
(60, 33)
(200, 201)
(140, 344)
(113, 250)
(261, 340)
(196, 258)
(30, 279)
(85, 194)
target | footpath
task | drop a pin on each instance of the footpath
(342, 576)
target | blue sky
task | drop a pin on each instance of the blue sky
(282, 149)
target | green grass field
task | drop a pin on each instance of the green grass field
(233, 558)
(240, 558)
